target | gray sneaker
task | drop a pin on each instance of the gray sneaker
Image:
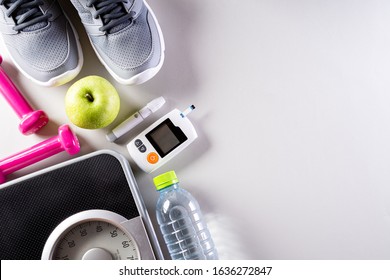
(125, 36)
(40, 40)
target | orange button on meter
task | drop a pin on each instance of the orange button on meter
(152, 158)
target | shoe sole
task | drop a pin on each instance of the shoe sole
(60, 79)
(147, 74)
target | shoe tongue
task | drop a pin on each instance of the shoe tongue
(122, 25)
(36, 26)
(119, 27)
(21, 11)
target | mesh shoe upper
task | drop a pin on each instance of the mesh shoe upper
(125, 36)
(129, 48)
(40, 40)
(31, 44)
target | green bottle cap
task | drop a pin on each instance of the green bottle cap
(164, 180)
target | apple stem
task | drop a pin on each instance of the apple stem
(89, 97)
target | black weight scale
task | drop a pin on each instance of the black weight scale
(86, 208)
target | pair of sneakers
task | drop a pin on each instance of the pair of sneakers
(44, 45)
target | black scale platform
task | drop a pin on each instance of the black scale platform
(31, 208)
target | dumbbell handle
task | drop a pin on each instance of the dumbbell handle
(13, 96)
(64, 141)
(31, 121)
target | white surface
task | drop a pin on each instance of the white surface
(293, 115)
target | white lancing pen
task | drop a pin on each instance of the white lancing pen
(135, 119)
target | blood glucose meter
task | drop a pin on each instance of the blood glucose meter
(162, 140)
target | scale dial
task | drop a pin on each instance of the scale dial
(91, 235)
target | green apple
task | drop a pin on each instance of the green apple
(92, 102)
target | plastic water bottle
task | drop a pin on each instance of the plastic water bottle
(181, 222)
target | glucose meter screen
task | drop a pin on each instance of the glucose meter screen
(166, 137)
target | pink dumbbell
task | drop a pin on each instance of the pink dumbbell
(66, 140)
(31, 121)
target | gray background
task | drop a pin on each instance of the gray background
(292, 113)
